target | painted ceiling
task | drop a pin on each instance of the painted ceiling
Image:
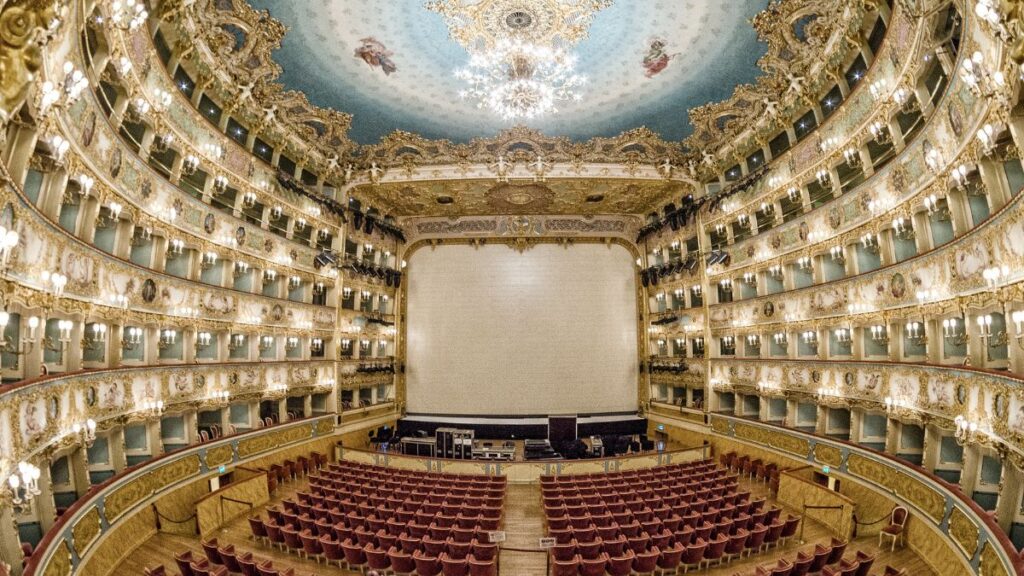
(710, 47)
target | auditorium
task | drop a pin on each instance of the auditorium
(511, 288)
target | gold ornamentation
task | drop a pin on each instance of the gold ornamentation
(25, 26)
(963, 531)
(218, 455)
(86, 530)
(826, 454)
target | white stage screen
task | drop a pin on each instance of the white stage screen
(493, 331)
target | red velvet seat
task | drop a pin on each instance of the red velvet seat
(843, 568)
(694, 555)
(355, 557)
(401, 562)
(594, 566)
(479, 567)
(646, 562)
(570, 567)
(801, 564)
(376, 558)
(259, 532)
(248, 564)
(669, 558)
(621, 565)
(454, 566)
(426, 565)
(838, 549)
(332, 550)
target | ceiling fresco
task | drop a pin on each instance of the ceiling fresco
(391, 65)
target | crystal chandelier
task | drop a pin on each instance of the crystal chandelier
(521, 65)
(521, 80)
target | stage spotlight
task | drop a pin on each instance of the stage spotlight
(370, 221)
(324, 258)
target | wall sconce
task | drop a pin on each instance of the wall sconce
(826, 144)
(203, 340)
(277, 388)
(953, 331)
(986, 135)
(852, 157)
(698, 346)
(978, 79)
(208, 260)
(319, 288)
(880, 334)
(63, 93)
(803, 263)
(236, 342)
(294, 282)
(996, 276)
(346, 293)
(131, 338)
(266, 343)
(346, 344)
(323, 234)
(9, 347)
(906, 100)
(85, 432)
(915, 334)
(127, 14)
(766, 387)
(780, 338)
(291, 343)
(8, 242)
(696, 289)
(364, 345)
(719, 229)
(810, 337)
(743, 220)
(163, 142)
(836, 252)
(750, 279)
(869, 242)
(793, 194)
(190, 164)
(54, 282)
(824, 178)
(897, 406)
(937, 211)
(985, 330)
(241, 269)
(725, 285)
(728, 342)
(880, 133)
(97, 339)
(248, 200)
(220, 184)
(168, 336)
(843, 335)
(175, 248)
(934, 160)
(753, 341)
(903, 229)
(965, 430)
(365, 294)
(220, 396)
(212, 150)
(300, 224)
(152, 408)
(275, 213)
(826, 393)
(269, 276)
(879, 88)
(24, 486)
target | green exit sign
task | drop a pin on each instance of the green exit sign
(825, 469)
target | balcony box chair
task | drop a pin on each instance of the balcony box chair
(897, 523)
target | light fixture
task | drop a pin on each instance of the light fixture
(24, 486)
(843, 335)
(903, 229)
(725, 285)
(203, 340)
(879, 334)
(880, 132)
(933, 159)
(240, 269)
(824, 178)
(266, 343)
(208, 260)
(219, 396)
(291, 343)
(914, 333)
(190, 164)
(852, 157)
(780, 339)
(1018, 321)
(151, 407)
(63, 93)
(236, 342)
(836, 253)
(996, 276)
(993, 339)
(803, 263)
(127, 15)
(810, 337)
(269, 276)
(168, 337)
(793, 194)
(7, 346)
(221, 183)
(986, 135)
(826, 394)
(953, 331)
(869, 242)
(753, 341)
(131, 338)
(939, 211)
(294, 282)
(9, 240)
(85, 432)
(175, 247)
(965, 430)
(98, 337)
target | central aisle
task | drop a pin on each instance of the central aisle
(524, 526)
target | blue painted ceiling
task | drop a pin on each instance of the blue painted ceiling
(710, 44)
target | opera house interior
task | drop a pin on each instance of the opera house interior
(520, 287)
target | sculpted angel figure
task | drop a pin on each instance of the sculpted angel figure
(501, 168)
(539, 168)
(245, 90)
(771, 108)
(269, 114)
(666, 168)
(796, 83)
(375, 172)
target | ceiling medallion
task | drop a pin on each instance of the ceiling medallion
(520, 61)
(519, 198)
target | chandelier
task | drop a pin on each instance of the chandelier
(521, 65)
(521, 80)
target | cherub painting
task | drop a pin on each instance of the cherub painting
(656, 59)
(374, 53)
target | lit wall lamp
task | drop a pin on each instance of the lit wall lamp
(843, 335)
(929, 295)
(276, 212)
(775, 271)
(953, 331)
(824, 178)
(827, 144)
(249, 199)
(346, 293)
(190, 164)
(294, 282)
(64, 92)
(915, 333)
(996, 276)
(220, 396)
(879, 88)
(1018, 321)
(203, 340)
(323, 234)
(986, 135)
(269, 276)
(852, 157)
(803, 263)
(240, 269)
(933, 159)
(793, 194)
(7, 346)
(163, 142)
(897, 406)
(213, 150)
(725, 285)
(24, 486)
(221, 183)
(86, 432)
(869, 242)
(728, 342)
(780, 338)
(750, 279)
(836, 253)
(696, 290)
(266, 343)
(979, 80)
(880, 334)
(880, 133)
(698, 346)
(965, 430)
(208, 260)
(152, 408)
(906, 100)
(161, 100)
(903, 229)
(131, 338)
(961, 176)
(346, 344)
(291, 343)
(810, 337)
(97, 339)
(994, 340)
(753, 341)
(127, 14)
(826, 393)
(8, 242)
(768, 387)
(743, 220)
(300, 224)
(937, 207)
(168, 336)
(319, 288)
(236, 342)
(175, 248)
(54, 282)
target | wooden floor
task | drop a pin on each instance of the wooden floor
(523, 527)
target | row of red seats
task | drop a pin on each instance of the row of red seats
(644, 475)
(823, 560)
(383, 473)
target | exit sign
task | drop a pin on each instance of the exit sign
(825, 469)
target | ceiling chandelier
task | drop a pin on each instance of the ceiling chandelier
(520, 63)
